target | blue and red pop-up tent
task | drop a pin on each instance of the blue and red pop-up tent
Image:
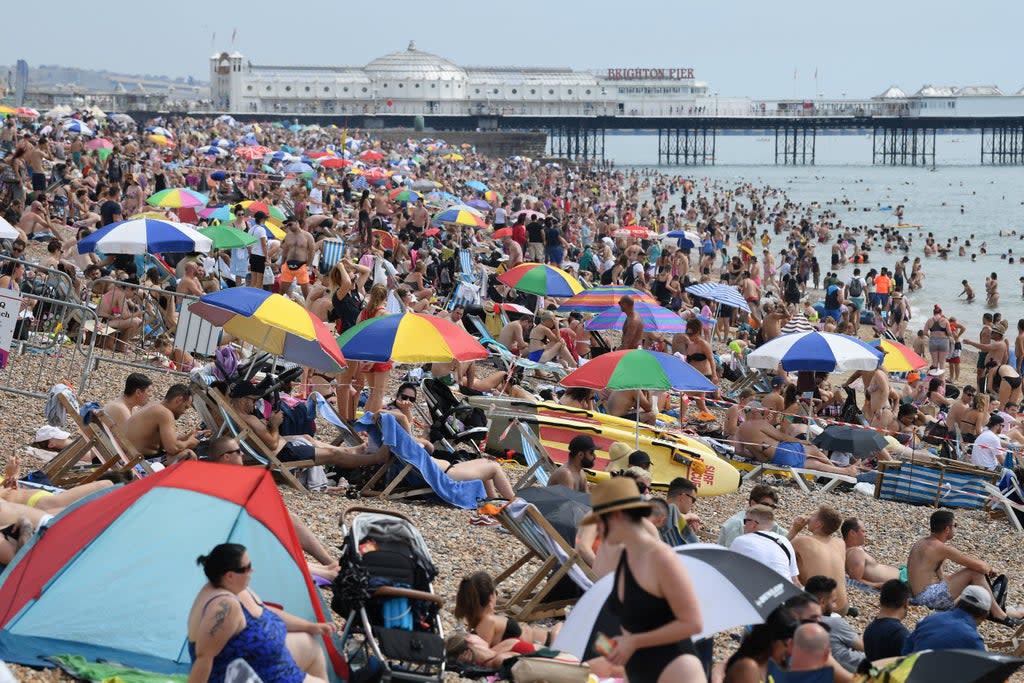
(114, 576)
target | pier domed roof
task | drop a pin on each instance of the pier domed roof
(413, 64)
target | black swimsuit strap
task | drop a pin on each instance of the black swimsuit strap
(218, 595)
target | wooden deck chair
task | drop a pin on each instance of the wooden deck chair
(332, 250)
(253, 446)
(539, 465)
(558, 559)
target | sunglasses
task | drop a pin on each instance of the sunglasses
(693, 498)
(405, 397)
(770, 504)
(747, 520)
(243, 570)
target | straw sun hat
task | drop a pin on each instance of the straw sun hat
(617, 493)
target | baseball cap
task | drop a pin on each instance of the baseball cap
(639, 458)
(243, 389)
(978, 597)
(581, 443)
(778, 381)
(994, 420)
(47, 432)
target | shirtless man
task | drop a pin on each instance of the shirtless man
(860, 565)
(514, 251)
(774, 319)
(297, 252)
(419, 217)
(876, 389)
(633, 327)
(513, 336)
(821, 553)
(582, 455)
(774, 401)
(35, 219)
(292, 448)
(759, 439)
(189, 283)
(958, 409)
(34, 160)
(152, 429)
(930, 586)
(632, 404)
(136, 395)
(546, 342)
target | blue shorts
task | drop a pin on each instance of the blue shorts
(535, 355)
(790, 454)
(833, 313)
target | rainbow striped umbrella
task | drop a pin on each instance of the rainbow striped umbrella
(495, 198)
(460, 215)
(252, 206)
(638, 369)
(898, 358)
(218, 213)
(410, 338)
(655, 319)
(600, 299)
(541, 279)
(404, 194)
(178, 198)
(273, 323)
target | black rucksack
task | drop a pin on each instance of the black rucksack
(856, 287)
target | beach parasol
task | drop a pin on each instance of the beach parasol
(27, 113)
(501, 233)
(962, 666)
(252, 206)
(145, 236)
(371, 155)
(404, 194)
(161, 140)
(460, 215)
(476, 185)
(7, 231)
(333, 162)
(655, 318)
(387, 240)
(76, 126)
(410, 338)
(798, 323)
(298, 168)
(684, 239)
(98, 143)
(495, 198)
(160, 130)
(541, 279)
(528, 214)
(453, 156)
(855, 440)
(227, 237)
(725, 295)
(898, 358)
(600, 299)
(221, 213)
(634, 231)
(479, 204)
(815, 352)
(273, 323)
(178, 198)
(5, 109)
(735, 590)
(252, 152)
(213, 151)
(638, 369)
(424, 185)
(508, 307)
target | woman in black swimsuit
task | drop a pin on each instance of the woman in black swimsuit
(652, 594)
(474, 603)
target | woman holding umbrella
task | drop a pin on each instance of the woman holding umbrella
(652, 594)
(376, 374)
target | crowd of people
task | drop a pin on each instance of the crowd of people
(300, 192)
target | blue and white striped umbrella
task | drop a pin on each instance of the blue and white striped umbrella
(76, 126)
(298, 167)
(684, 239)
(145, 236)
(160, 130)
(723, 294)
(222, 142)
(212, 151)
(815, 352)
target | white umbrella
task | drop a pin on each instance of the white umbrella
(798, 323)
(727, 295)
(146, 236)
(815, 352)
(75, 126)
(734, 590)
(7, 231)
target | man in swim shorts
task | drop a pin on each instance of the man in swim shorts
(297, 250)
(860, 565)
(758, 439)
(936, 590)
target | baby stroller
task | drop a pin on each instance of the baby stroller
(384, 592)
(453, 423)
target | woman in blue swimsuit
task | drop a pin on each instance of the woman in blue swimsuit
(652, 595)
(228, 622)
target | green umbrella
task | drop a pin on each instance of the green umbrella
(226, 237)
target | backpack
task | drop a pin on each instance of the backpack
(629, 276)
(856, 287)
(606, 276)
(792, 291)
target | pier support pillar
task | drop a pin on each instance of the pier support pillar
(686, 146)
(578, 143)
(795, 145)
(903, 146)
(1002, 146)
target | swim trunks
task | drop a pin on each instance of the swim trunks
(295, 271)
(935, 596)
(789, 454)
(297, 450)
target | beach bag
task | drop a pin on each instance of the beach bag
(546, 670)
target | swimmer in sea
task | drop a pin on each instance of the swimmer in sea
(967, 291)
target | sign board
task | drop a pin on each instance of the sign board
(658, 74)
(10, 307)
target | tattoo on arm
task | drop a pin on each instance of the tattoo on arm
(220, 616)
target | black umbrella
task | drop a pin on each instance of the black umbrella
(561, 506)
(855, 440)
(962, 666)
(733, 590)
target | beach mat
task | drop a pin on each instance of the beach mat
(83, 670)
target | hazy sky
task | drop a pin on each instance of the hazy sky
(741, 47)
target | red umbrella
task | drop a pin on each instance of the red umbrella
(637, 231)
(432, 232)
(503, 232)
(387, 240)
(334, 162)
(371, 155)
(254, 152)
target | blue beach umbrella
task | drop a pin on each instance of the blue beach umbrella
(476, 185)
(684, 239)
(145, 236)
(722, 294)
(816, 352)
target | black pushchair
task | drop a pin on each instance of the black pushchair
(453, 422)
(384, 592)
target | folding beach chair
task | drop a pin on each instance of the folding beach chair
(509, 358)
(410, 464)
(220, 410)
(803, 477)
(539, 465)
(332, 250)
(558, 559)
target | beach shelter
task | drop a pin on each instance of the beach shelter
(114, 577)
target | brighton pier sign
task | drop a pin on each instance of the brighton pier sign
(649, 74)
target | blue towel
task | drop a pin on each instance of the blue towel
(463, 494)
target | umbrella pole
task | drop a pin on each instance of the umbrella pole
(636, 445)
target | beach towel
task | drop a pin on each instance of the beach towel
(462, 494)
(82, 669)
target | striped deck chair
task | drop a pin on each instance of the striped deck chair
(539, 465)
(944, 483)
(558, 559)
(332, 250)
(509, 358)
